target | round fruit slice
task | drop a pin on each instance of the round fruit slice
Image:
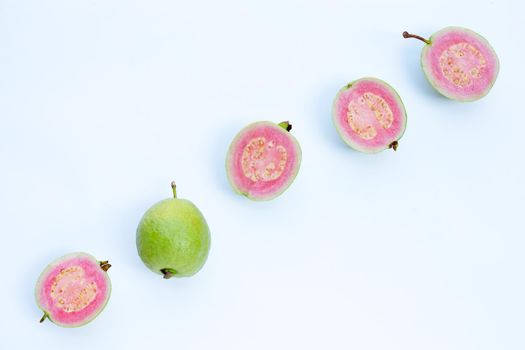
(263, 160)
(459, 63)
(173, 238)
(73, 289)
(369, 115)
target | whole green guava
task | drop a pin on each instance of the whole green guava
(173, 238)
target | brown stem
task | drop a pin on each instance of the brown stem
(407, 35)
(43, 318)
(394, 145)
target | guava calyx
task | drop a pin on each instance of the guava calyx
(286, 125)
(393, 145)
(168, 273)
(105, 265)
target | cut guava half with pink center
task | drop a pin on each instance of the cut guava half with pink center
(369, 115)
(263, 160)
(459, 63)
(73, 289)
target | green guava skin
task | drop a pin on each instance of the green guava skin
(174, 236)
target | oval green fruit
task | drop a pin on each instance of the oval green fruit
(173, 238)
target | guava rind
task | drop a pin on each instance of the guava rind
(82, 317)
(261, 191)
(173, 234)
(443, 39)
(385, 91)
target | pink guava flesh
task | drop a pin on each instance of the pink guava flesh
(73, 290)
(369, 115)
(263, 160)
(460, 64)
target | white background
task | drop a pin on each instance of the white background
(103, 103)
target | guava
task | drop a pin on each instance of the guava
(173, 238)
(459, 63)
(369, 115)
(263, 160)
(73, 289)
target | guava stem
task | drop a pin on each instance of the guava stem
(174, 189)
(407, 35)
(394, 145)
(168, 273)
(285, 125)
(43, 318)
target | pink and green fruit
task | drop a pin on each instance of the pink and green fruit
(459, 63)
(263, 160)
(369, 115)
(73, 289)
(173, 238)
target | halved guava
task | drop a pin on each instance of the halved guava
(459, 63)
(369, 115)
(73, 289)
(263, 160)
